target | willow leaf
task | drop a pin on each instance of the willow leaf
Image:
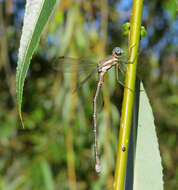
(148, 169)
(36, 16)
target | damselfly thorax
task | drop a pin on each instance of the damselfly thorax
(105, 64)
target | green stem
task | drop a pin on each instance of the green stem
(127, 107)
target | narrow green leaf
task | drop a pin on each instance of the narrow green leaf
(36, 16)
(47, 175)
(148, 169)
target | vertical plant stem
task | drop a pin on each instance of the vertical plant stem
(104, 25)
(125, 126)
(69, 139)
(70, 161)
(4, 58)
(107, 111)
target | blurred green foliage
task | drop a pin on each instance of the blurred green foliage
(55, 150)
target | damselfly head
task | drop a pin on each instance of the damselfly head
(117, 51)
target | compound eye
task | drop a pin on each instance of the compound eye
(117, 50)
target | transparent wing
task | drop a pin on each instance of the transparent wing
(68, 64)
(85, 80)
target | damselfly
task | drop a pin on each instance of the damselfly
(101, 68)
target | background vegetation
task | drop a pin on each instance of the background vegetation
(55, 150)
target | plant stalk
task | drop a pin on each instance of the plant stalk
(127, 106)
